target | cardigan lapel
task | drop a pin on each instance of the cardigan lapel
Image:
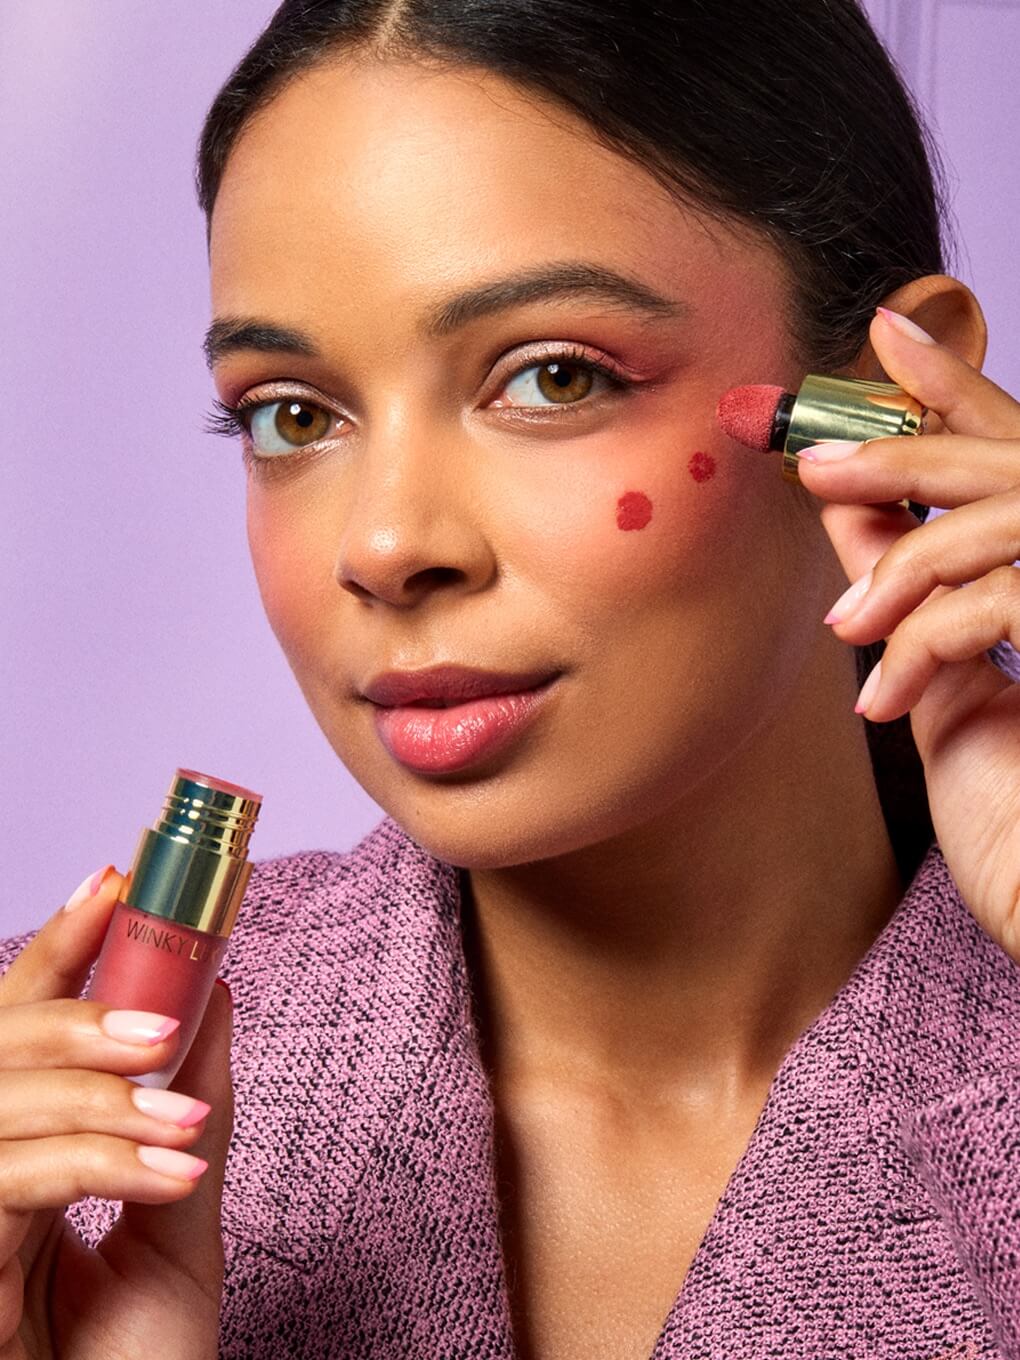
(425, 1208)
(824, 1234)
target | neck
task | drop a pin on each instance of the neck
(688, 953)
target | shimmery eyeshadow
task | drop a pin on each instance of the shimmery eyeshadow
(701, 467)
(633, 510)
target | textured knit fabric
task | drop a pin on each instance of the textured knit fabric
(874, 1215)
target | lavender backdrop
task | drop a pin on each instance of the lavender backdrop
(133, 638)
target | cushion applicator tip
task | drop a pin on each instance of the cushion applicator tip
(747, 414)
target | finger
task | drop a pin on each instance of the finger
(956, 626)
(48, 1173)
(946, 470)
(42, 1104)
(45, 1105)
(67, 1032)
(187, 1232)
(966, 401)
(861, 534)
(56, 961)
(953, 550)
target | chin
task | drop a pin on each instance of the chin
(518, 808)
(472, 825)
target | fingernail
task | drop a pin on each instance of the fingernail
(221, 983)
(849, 600)
(869, 689)
(170, 1162)
(829, 452)
(905, 326)
(87, 888)
(172, 1106)
(137, 1027)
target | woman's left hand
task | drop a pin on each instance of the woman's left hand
(964, 712)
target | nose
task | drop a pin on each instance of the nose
(413, 525)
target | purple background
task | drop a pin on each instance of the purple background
(133, 637)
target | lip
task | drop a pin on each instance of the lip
(440, 740)
(455, 684)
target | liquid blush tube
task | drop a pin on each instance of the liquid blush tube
(169, 930)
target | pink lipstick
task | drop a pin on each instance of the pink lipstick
(446, 718)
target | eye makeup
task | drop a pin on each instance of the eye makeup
(237, 419)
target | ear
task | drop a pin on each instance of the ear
(947, 310)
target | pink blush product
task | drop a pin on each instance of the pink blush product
(825, 409)
(169, 932)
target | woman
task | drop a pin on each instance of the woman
(682, 1021)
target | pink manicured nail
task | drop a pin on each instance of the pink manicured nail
(172, 1106)
(905, 326)
(829, 452)
(137, 1027)
(849, 600)
(868, 690)
(87, 888)
(170, 1162)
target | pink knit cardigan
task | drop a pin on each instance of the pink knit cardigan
(874, 1215)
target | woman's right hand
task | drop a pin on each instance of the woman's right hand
(69, 1127)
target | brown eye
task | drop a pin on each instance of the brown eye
(564, 383)
(300, 423)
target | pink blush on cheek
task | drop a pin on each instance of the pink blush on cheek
(633, 510)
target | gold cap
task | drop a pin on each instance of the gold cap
(192, 866)
(829, 408)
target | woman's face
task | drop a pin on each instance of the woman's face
(425, 494)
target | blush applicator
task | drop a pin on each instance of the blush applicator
(825, 409)
(170, 928)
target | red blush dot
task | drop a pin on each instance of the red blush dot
(633, 510)
(701, 467)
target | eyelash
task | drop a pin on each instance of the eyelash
(234, 420)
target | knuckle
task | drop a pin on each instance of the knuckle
(909, 640)
(916, 557)
(89, 1159)
(39, 1033)
(93, 1097)
(14, 1175)
(1003, 584)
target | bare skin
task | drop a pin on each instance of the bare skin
(676, 868)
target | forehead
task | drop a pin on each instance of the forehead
(361, 173)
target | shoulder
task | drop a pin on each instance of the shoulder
(385, 861)
(348, 983)
(952, 1034)
(311, 906)
(945, 999)
(311, 919)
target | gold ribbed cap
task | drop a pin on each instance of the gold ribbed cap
(191, 867)
(830, 408)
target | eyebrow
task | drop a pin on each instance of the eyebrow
(544, 283)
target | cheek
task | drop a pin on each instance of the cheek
(288, 572)
(634, 508)
(610, 525)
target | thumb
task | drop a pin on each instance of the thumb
(186, 1232)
